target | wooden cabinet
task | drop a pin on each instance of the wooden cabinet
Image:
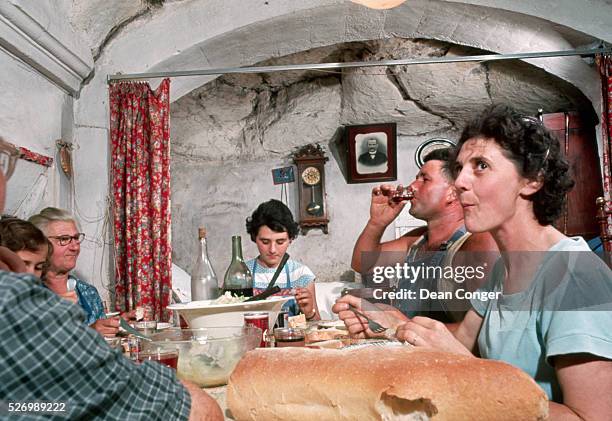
(579, 144)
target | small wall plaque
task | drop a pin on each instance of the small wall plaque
(283, 175)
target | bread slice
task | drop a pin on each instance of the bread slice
(317, 335)
(331, 344)
(392, 383)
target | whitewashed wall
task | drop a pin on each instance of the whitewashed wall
(43, 63)
(53, 67)
(228, 135)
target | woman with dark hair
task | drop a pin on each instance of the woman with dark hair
(551, 316)
(272, 229)
(28, 242)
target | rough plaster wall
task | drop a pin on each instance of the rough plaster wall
(219, 33)
(46, 60)
(229, 134)
(36, 114)
(53, 16)
(96, 18)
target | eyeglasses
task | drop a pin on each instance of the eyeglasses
(8, 159)
(64, 240)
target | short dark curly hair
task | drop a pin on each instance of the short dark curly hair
(446, 156)
(533, 149)
(275, 215)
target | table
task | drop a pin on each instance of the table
(218, 394)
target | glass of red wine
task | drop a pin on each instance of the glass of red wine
(167, 357)
(402, 194)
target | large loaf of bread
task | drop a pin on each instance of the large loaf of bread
(376, 383)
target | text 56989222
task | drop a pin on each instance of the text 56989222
(33, 406)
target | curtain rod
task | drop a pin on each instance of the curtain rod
(328, 66)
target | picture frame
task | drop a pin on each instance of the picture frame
(371, 152)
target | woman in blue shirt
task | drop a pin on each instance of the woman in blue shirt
(550, 309)
(61, 229)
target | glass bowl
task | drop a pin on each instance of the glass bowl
(206, 356)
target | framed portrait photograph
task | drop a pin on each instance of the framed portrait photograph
(371, 152)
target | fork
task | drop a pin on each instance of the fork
(374, 327)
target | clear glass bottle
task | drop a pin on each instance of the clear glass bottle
(204, 283)
(238, 278)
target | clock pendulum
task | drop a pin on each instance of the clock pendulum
(311, 176)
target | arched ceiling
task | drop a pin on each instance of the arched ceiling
(97, 19)
(194, 34)
(217, 34)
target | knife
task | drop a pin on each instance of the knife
(270, 286)
(131, 330)
(265, 294)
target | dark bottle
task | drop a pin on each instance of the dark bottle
(204, 284)
(238, 278)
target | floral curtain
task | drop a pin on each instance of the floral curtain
(605, 68)
(140, 142)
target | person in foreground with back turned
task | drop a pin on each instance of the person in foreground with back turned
(50, 357)
(553, 313)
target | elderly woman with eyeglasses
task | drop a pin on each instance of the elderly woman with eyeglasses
(61, 229)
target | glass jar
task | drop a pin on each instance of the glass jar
(288, 336)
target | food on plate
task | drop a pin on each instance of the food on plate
(298, 321)
(332, 324)
(376, 383)
(229, 298)
(331, 344)
(316, 335)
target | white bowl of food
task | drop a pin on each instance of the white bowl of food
(210, 313)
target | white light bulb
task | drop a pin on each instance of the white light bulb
(379, 4)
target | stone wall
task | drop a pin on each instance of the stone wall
(60, 54)
(229, 134)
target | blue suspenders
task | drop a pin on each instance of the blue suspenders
(433, 259)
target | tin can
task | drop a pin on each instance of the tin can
(282, 319)
(260, 320)
(133, 347)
